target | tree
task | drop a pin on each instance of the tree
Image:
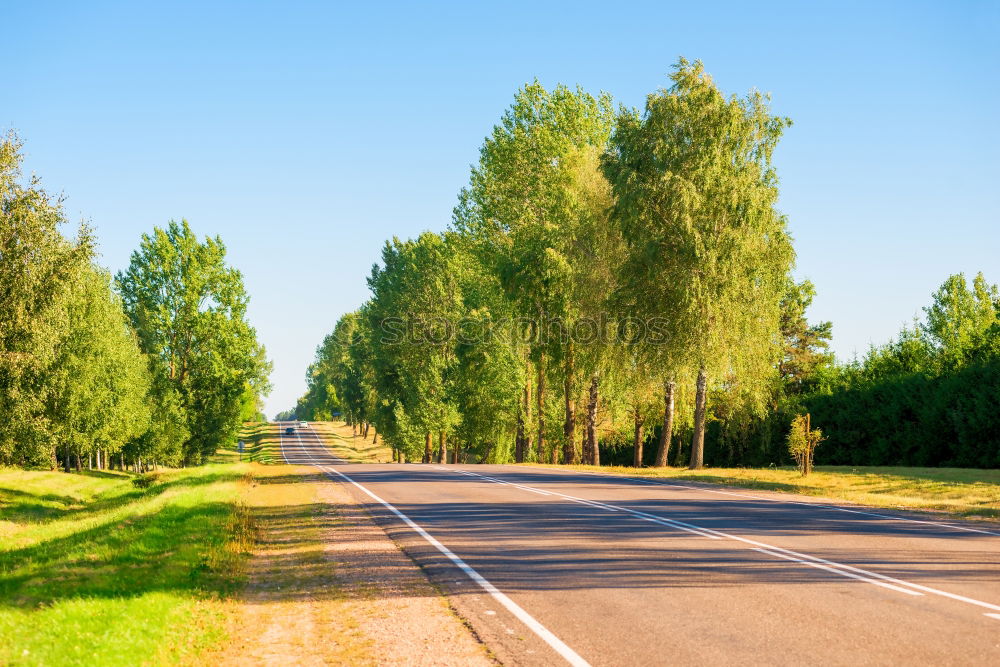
(534, 192)
(695, 198)
(413, 314)
(37, 265)
(489, 373)
(802, 442)
(806, 346)
(189, 311)
(959, 318)
(99, 381)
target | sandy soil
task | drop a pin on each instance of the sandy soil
(327, 586)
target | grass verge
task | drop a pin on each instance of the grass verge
(262, 444)
(94, 570)
(341, 440)
(962, 492)
(293, 609)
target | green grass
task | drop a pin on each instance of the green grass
(262, 444)
(96, 571)
(962, 492)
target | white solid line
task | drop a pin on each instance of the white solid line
(840, 572)
(498, 481)
(839, 568)
(560, 647)
(835, 508)
(996, 616)
(679, 525)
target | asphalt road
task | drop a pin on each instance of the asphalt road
(551, 567)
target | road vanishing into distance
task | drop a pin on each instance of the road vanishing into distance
(552, 567)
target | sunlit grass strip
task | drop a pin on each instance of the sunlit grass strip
(99, 572)
(262, 444)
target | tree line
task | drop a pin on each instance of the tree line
(156, 365)
(928, 397)
(615, 287)
(620, 271)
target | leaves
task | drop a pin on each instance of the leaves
(188, 308)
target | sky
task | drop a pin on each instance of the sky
(305, 134)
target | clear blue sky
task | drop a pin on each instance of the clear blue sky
(307, 133)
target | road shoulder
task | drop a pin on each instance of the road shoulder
(326, 585)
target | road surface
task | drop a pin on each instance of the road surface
(554, 567)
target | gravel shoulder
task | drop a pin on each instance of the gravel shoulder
(326, 585)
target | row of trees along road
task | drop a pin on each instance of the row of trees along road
(631, 270)
(156, 366)
(633, 273)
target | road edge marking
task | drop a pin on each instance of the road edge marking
(838, 568)
(558, 645)
(704, 486)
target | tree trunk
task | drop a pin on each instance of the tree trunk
(375, 438)
(428, 449)
(668, 424)
(519, 439)
(698, 440)
(522, 442)
(79, 465)
(809, 444)
(590, 453)
(526, 445)
(443, 448)
(454, 454)
(637, 441)
(367, 426)
(569, 427)
(540, 397)
(67, 462)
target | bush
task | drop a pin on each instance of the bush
(802, 442)
(147, 480)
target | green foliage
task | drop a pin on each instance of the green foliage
(802, 442)
(415, 308)
(806, 347)
(189, 311)
(960, 319)
(575, 216)
(72, 380)
(535, 215)
(924, 398)
(99, 381)
(707, 249)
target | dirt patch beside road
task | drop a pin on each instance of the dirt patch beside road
(326, 585)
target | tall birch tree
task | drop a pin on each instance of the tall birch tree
(696, 196)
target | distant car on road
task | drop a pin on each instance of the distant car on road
(290, 430)
(304, 424)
